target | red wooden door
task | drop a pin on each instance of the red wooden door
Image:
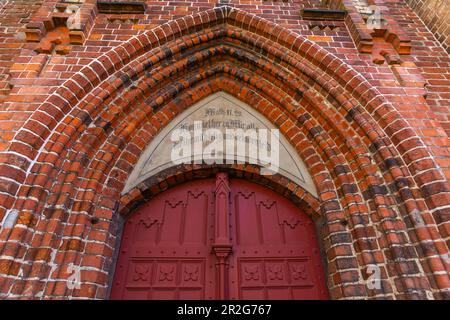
(219, 239)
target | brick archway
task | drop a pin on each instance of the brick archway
(362, 155)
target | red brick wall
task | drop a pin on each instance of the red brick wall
(371, 127)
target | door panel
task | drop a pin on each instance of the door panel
(216, 238)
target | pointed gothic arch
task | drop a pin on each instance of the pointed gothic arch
(92, 130)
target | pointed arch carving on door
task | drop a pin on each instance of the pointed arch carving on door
(157, 155)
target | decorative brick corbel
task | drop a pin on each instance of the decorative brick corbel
(322, 14)
(399, 40)
(363, 35)
(35, 31)
(360, 34)
(80, 20)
